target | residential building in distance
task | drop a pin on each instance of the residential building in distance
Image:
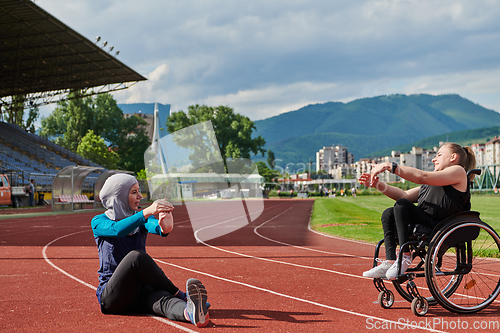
(364, 165)
(343, 171)
(330, 158)
(479, 151)
(339, 165)
(149, 118)
(419, 158)
(492, 151)
(147, 112)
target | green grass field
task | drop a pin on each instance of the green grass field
(359, 218)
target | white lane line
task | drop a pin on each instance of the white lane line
(285, 263)
(304, 247)
(382, 320)
(44, 252)
(224, 213)
(266, 259)
(342, 254)
(336, 237)
(163, 320)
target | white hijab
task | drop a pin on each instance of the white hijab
(114, 196)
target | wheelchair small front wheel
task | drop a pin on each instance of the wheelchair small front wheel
(386, 299)
(419, 306)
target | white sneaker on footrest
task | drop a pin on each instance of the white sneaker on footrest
(378, 271)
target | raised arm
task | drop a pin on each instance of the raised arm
(162, 210)
(454, 175)
(392, 192)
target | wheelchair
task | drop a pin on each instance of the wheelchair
(455, 265)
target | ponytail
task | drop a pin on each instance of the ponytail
(470, 160)
(466, 156)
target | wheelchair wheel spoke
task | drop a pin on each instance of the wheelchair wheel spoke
(477, 270)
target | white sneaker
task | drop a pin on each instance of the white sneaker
(378, 271)
(392, 273)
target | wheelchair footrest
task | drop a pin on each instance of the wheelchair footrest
(411, 287)
(379, 284)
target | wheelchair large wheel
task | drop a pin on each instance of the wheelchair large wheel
(464, 258)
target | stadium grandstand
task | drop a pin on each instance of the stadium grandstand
(33, 157)
(43, 60)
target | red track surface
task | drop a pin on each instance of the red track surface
(273, 275)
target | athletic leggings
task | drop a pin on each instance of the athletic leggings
(139, 285)
(396, 221)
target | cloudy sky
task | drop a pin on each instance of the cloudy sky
(267, 57)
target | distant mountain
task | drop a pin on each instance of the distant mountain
(369, 124)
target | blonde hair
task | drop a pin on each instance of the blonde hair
(466, 156)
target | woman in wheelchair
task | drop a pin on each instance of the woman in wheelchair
(444, 192)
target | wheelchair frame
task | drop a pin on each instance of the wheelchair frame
(450, 261)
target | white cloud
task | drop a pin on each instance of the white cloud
(266, 57)
(273, 100)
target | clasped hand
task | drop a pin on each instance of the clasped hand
(162, 210)
(160, 205)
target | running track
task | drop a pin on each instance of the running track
(273, 275)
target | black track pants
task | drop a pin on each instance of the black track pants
(139, 285)
(395, 221)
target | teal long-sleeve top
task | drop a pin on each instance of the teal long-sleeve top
(114, 241)
(102, 225)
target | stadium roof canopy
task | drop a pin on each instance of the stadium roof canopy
(43, 59)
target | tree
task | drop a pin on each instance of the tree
(15, 114)
(95, 149)
(267, 173)
(70, 122)
(72, 119)
(270, 159)
(233, 132)
(131, 147)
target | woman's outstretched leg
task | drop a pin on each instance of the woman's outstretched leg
(124, 287)
(162, 303)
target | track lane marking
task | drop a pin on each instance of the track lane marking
(286, 263)
(44, 252)
(304, 247)
(342, 254)
(237, 282)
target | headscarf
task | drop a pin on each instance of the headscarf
(114, 196)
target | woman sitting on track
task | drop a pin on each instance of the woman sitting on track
(130, 280)
(444, 192)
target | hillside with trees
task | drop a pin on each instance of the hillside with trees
(370, 124)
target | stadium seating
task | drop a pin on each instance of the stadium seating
(36, 157)
(77, 198)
